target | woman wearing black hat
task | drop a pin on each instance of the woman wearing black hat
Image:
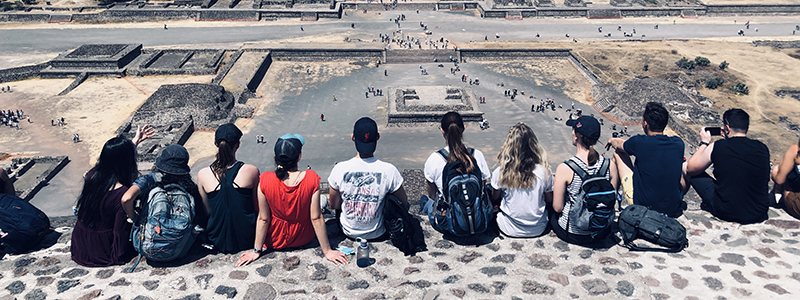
(228, 188)
(100, 236)
(567, 185)
(289, 208)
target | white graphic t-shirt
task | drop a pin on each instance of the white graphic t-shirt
(363, 184)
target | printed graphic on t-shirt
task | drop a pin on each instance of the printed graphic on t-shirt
(361, 193)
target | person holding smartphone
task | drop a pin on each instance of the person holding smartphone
(656, 179)
(739, 191)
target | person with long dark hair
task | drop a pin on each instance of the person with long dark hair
(452, 127)
(567, 184)
(100, 236)
(229, 189)
(289, 214)
(523, 184)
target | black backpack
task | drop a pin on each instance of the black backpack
(22, 225)
(465, 209)
(594, 208)
(404, 230)
(637, 221)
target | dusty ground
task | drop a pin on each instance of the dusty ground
(558, 74)
(94, 110)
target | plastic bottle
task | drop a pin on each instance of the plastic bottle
(362, 253)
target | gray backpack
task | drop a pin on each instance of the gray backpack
(164, 230)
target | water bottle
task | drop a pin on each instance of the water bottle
(362, 253)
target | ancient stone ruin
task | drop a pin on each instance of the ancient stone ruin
(175, 110)
(414, 104)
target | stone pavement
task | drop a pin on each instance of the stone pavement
(723, 261)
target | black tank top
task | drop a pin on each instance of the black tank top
(232, 219)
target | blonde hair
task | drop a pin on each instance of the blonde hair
(519, 156)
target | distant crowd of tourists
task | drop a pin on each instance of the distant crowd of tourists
(235, 207)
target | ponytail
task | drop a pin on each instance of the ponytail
(282, 169)
(453, 127)
(588, 143)
(225, 157)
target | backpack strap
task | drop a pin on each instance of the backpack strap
(577, 169)
(604, 167)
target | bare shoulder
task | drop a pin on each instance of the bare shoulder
(250, 170)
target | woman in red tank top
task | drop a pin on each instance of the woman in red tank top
(289, 207)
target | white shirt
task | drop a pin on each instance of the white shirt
(434, 167)
(522, 211)
(363, 184)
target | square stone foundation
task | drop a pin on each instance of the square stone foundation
(424, 104)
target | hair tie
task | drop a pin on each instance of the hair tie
(280, 167)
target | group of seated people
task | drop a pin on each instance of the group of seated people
(241, 208)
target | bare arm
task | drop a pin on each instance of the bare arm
(701, 159)
(262, 225)
(562, 179)
(128, 199)
(400, 193)
(614, 173)
(318, 222)
(202, 179)
(786, 165)
(432, 190)
(335, 199)
(617, 143)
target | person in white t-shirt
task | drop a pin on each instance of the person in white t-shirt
(524, 183)
(358, 186)
(452, 130)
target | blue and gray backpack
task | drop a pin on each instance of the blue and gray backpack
(164, 230)
(464, 209)
(593, 209)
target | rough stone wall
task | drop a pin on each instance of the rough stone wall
(752, 9)
(220, 15)
(326, 54)
(510, 54)
(227, 68)
(777, 44)
(57, 163)
(20, 73)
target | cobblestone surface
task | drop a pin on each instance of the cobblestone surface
(724, 261)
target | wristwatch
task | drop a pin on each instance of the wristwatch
(702, 143)
(258, 250)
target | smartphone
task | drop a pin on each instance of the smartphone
(714, 130)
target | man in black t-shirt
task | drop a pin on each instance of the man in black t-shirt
(656, 179)
(740, 190)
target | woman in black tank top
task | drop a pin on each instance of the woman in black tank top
(228, 189)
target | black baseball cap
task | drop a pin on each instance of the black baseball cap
(228, 133)
(366, 135)
(288, 147)
(174, 159)
(586, 125)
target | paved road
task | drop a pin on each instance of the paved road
(456, 26)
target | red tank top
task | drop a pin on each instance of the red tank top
(290, 207)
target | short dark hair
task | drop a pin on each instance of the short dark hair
(737, 119)
(656, 116)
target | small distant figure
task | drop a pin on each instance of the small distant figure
(165, 27)
(656, 27)
(537, 34)
(308, 167)
(52, 122)
(4, 89)
(497, 35)
(322, 117)
(567, 35)
(334, 98)
(301, 28)
(353, 25)
(385, 72)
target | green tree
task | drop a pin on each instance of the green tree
(740, 88)
(723, 65)
(702, 61)
(686, 64)
(715, 82)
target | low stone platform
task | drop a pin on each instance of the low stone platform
(724, 261)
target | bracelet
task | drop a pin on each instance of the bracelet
(701, 144)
